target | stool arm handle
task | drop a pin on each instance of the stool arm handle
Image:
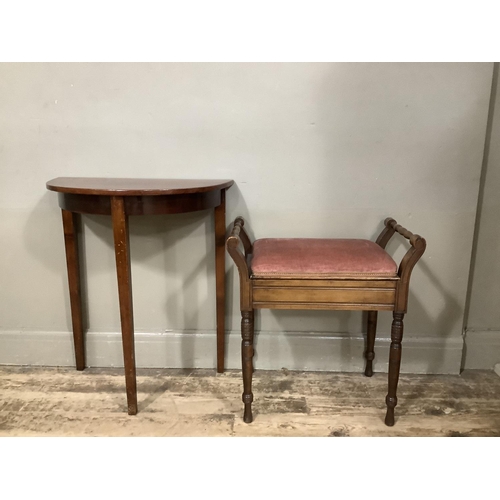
(412, 256)
(391, 227)
(239, 231)
(238, 235)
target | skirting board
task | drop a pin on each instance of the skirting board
(194, 349)
(482, 349)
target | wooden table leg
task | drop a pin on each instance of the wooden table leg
(122, 253)
(220, 276)
(70, 221)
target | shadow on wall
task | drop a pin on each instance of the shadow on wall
(161, 247)
(387, 148)
(349, 323)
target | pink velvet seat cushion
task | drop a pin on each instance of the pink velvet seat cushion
(322, 258)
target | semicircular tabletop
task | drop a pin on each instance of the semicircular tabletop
(135, 187)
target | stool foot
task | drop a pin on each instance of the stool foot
(247, 415)
(389, 417)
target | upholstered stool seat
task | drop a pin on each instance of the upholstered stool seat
(310, 258)
(324, 274)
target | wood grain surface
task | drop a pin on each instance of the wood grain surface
(63, 402)
(135, 187)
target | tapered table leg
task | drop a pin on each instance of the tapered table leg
(73, 264)
(122, 253)
(220, 275)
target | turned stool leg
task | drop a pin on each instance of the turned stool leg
(370, 342)
(394, 364)
(247, 329)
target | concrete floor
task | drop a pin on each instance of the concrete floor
(64, 402)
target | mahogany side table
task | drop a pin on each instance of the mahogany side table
(120, 198)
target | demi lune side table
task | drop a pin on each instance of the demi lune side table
(121, 198)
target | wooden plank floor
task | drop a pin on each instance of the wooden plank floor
(64, 402)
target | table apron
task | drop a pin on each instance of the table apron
(141, 205)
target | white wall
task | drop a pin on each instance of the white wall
(315, 150)
(483, 321)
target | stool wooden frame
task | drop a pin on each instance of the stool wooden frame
(370, 294)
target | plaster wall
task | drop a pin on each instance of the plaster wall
(315, 149)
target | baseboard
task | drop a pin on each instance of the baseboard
(194, 349)
(482, 349)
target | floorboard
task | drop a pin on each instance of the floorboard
(63, 402)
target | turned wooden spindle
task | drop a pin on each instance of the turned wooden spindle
(247, 328)
(394, 365)
(370, 342)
